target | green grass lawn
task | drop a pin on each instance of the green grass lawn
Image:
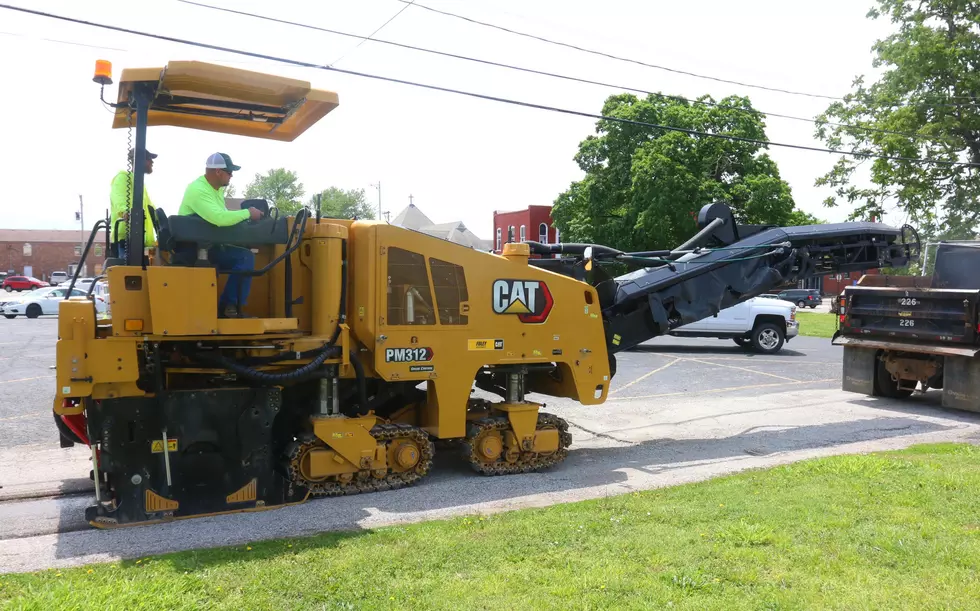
(890, 531)
(816, 324)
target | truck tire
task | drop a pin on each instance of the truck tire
(885, 386)
(768, 338)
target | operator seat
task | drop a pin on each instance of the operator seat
(192, 229)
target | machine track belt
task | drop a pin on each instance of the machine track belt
(365, 480)
(522, 462)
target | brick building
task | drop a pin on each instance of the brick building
(532, 223)
(38, 252)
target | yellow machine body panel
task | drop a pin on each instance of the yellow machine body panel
(442, 311)
(185, 86)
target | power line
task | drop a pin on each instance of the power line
(371, 35)
(64, 42)
(481, 96)
(619, 58)
(542, 72)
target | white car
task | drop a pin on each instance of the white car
(762, 323)
(82, 283)
(44, 301)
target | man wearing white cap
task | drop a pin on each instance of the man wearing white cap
(205, 197)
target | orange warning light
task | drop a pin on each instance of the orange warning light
(103, 72)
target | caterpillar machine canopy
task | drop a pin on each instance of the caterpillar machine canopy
(366, 339)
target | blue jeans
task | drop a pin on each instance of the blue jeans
(233, 258)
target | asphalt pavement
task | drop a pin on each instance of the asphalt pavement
(679, 410)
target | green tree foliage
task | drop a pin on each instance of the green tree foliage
(643, 187)
(929, 89)
(338, 203)
(280, 187)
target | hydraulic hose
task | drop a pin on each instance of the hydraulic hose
(272, 378)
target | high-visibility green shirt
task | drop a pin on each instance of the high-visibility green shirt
(202, 199)
(119, 205)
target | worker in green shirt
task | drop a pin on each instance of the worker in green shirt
(121, 202)
(205, 197)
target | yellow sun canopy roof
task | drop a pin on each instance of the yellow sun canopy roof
(210, 97)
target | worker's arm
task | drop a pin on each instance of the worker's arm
(209, 206)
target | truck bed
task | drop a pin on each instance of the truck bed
(911, 312)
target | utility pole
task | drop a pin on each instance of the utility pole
(81, 218)
(378, 187)
(81, 224)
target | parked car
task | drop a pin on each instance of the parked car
(81, 283)
(58, 277)
(22, 283)
(803, 298)
(760, 323)
(43, 301)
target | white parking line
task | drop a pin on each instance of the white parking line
(717, 390)
(771, 375)
(644, 376)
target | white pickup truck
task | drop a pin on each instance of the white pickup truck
(761, 323)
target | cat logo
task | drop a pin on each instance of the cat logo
(530, 300)
(485, 344)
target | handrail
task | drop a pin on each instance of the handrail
(81, 262)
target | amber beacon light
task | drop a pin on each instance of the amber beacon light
(103, 72)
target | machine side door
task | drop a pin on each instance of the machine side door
(422, 304)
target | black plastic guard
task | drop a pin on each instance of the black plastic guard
(224, 458)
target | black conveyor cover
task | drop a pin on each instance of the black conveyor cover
(650, 302)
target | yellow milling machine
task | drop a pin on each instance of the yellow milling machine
(365, 340)
(364, 347)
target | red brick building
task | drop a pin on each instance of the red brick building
(833, 286)
(38, 252)
(533, 223)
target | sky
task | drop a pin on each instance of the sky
(460, 158)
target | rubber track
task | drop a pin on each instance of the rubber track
(526, 461)
(364, 480)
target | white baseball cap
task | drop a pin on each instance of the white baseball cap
(221, 161)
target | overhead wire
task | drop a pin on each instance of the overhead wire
(619, 58)
(656, 66)
(659, 95)
(64, 42)
(371, 35)
(481, 96)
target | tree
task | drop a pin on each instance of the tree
(337, 203)
(925, 106)
(280, 187)
(230, 190)
(643, 186)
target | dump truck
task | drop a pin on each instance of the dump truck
(903, 334)
(365, 343)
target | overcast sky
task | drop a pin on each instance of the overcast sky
(460, 157)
